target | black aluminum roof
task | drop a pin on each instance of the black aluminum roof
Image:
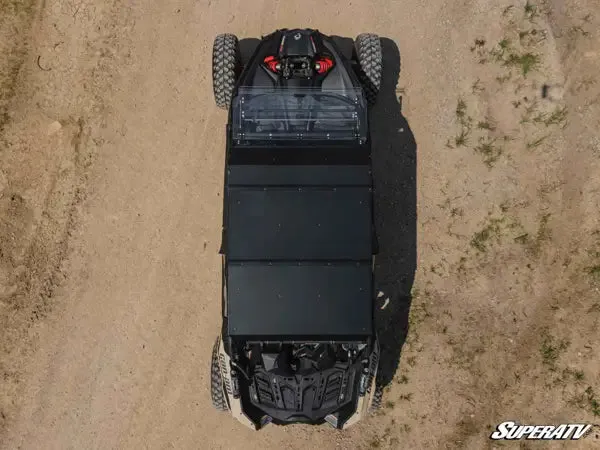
(285, 301)
(308, 223)
(299, 246)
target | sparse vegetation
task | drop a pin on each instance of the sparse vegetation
(486, 124)
(489, 150)
(492, 231)
(529, 111)
(531, 11)
(479, 43)
(551, 349)
(585, 84)
(418, 313)
(405, 428)
(594, 271)
(461, 109)
(593, 402)
(536, 142)
(569, 376)
(531, 36)
(477, 87)
(523, 238)
(456, 212)
(507, 10)
(534, 245)
(577, 375)
(504, 44)
(504, 78)
(499, 51)
(375, 443)
(518, 56)
(526, 62)
(462, 138)
(578, 30)
(461, 267)
(587, 400)
(465, 121)
(557, 117)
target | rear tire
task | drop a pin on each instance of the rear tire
(377, 400)
(216, 381)
(226, 67)
(370, 58)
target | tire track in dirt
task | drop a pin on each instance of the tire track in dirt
(46, 156)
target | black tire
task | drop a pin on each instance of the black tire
(377, 401)
(370, 58)
(226, 67)
(216, 382)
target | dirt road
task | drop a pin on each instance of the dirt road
(111, 200)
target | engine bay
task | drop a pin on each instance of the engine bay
(301, 359)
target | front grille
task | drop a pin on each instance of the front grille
(332, 391)
(263, 390)
(328, 389)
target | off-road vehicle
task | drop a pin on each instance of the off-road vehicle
(298, 341)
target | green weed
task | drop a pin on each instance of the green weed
(489, 151)
(492, 231)
(526, 62)
(551, 349)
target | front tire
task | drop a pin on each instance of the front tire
(370, 58)
(226, 66)
(216, 381)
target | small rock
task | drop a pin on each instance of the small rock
(54, 127)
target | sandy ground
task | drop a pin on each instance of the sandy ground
(488, 199)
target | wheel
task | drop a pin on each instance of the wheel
(226, 68)
(377, 399)
(216, 381)
(370, 58)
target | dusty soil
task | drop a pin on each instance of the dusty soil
(488, 193)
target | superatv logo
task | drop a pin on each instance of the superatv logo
(513, 431)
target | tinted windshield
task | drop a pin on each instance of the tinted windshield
(303, 114)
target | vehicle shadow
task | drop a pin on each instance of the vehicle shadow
(395, 172)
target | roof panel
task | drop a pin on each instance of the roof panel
(299, 224)
(287, 299)
(299, 175)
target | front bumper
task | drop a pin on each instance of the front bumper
(343, 397)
